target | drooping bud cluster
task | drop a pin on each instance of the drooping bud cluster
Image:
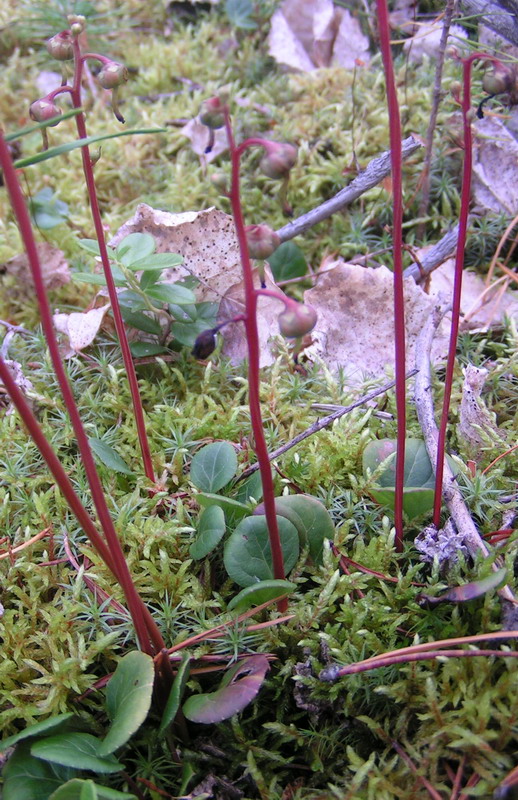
(211, 113)
(278, 159)
(42, 110)
(296, 320)
(61, 46)
(262, 241)
(112, 75)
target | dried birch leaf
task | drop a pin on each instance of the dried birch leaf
(80, 328)
(53, 266)
(495, 167)
(477, 427)
(308, 34)
(202, 137)
(206, 240)
(355, 328)
(268, 310)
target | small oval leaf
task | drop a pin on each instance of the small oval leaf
(213, 466)
(310, 517)
(128, 699)
(77, 789)
(238, 688)
(259, 593)
(108, 456)
(211, 529)
(248, 556)
(171, 293)
(50, 724)
(135, 247)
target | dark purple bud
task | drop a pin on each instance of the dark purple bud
(205, 344)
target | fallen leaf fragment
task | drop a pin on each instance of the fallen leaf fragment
(465, 592)
(54, 267)
(477, 427)
(201, 138)
(308, 34)
(81, 328)
(495, 166)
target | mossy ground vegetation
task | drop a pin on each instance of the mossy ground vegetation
(302, 738)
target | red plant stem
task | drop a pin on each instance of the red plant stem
(397, 240)
(112, 291)
(364, 666)
(140, 616)
(457, 285)
(252, 339)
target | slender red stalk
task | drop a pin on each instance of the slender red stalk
(397, 240)
(252, 338)
(365, 666)
(457, 285)
(144, 625)
(112, 291)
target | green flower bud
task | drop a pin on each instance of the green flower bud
(112, 75)
(61, 46)
(278, 159)
(296, 320)
(500, 79)
(42, 110)
(262, 240)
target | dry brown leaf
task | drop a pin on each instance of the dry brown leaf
(355, 329)
(268, 310)
(495, 167)
(54, 267)
(80, 328)
(206, 240)
(477, 425)
(200, 138)
(308, 34)
(481, 311)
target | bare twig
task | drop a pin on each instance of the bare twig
(436, 256)
(323, 423)
(425, 413)
(436, 99)
(375, 171)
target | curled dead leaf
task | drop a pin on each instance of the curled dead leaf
(80, 328)
(54, 267)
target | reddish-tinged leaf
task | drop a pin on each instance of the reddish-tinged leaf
(468, 591)
(238, 688)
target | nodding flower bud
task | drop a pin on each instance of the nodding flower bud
(77, 24)
(211, 113)
(43, 110)
(61, 46)
(205, 344)
(278, 159)
(296, 320)
(500, 79)
(262, 240)
(112, 75)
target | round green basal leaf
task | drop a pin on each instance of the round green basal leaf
(250, 489)
(213, 466)
(30, 778)
(238, 688)
(259, 593)
(211, 529)
(128, 699)
(176, 694)
(78, 789)
(310, 517)
(419, 480)
(232, 509)
(287, 262)
(77, 750)
(248, 556)
(50, 724)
